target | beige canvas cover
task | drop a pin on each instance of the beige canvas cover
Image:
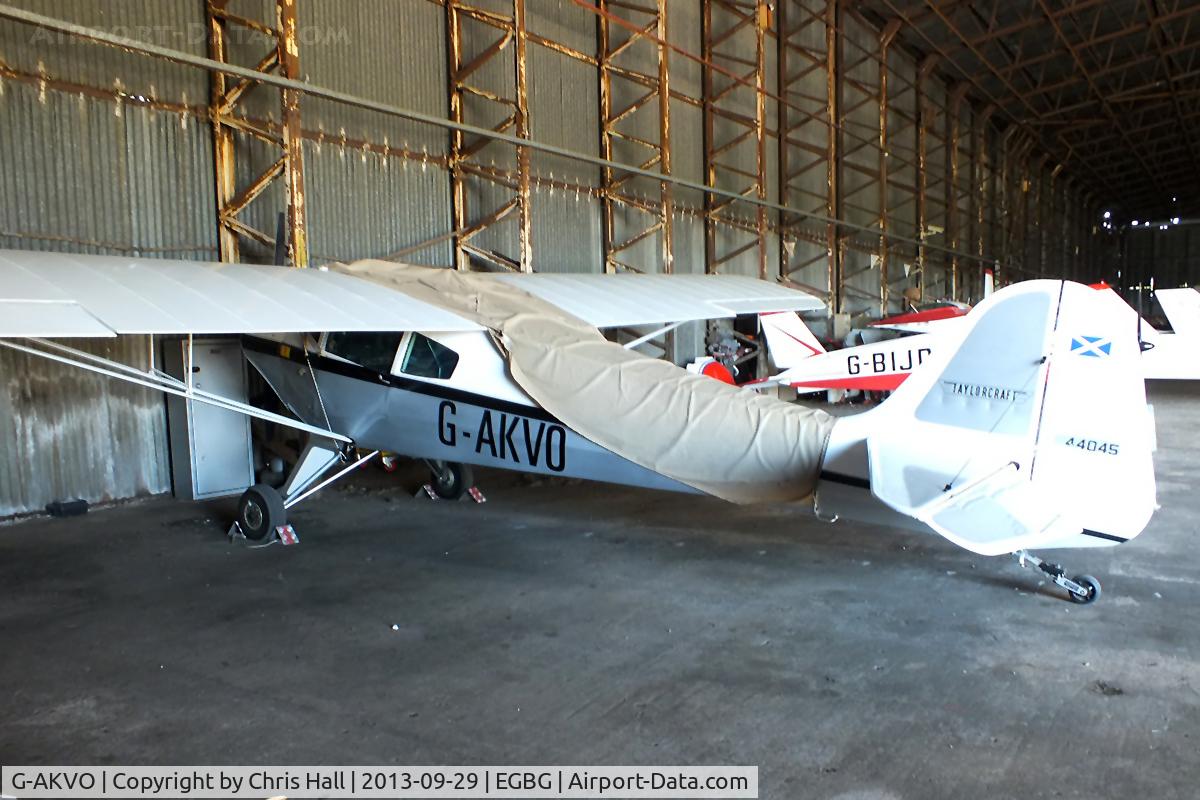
(723, 440)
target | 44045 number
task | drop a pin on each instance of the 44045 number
(1093, 445)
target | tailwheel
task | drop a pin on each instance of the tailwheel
(260, 511)
(450, 480)
(1090, 587)
(1082, 589)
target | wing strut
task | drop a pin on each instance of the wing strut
(156, 379)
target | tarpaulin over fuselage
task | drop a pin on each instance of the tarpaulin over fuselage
(725, 441)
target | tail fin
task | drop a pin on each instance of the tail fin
(789, 341)
(1028, 429)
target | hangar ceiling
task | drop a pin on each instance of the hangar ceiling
(1110, 88)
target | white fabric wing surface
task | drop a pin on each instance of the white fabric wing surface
(61, 294)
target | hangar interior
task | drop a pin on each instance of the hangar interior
(877, 154)
(865, 152)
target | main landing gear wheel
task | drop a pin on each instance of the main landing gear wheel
(260, 511)
(1082, 589)
(450, 480)
(1091, 590)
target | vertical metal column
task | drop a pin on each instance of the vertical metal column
(729, 133)
(1036, 244)
(981, 164)
(629, 219)
(1052, 219)
(925, 113)
(762, 24)
(282, 58)
(1002, 207)
(293, 149)
(471, 102)
(522, 130)
(885, 40)
(833, 210)
(224, 159)
(803, 128)
(953, 166)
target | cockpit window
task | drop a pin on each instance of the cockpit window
(426, 358)
(372, 350)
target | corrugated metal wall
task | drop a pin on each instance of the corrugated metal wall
(96, 169)
(105, 151)
(67, 433)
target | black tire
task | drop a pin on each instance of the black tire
(1093, 590)
(260, 511)
(452, 481)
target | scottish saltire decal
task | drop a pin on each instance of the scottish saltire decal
(1094, 346)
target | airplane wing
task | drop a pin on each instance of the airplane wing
(925, 320)
(626, 300)
(56, 295)
(65, 295)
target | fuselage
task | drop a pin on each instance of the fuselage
(463, 406)
(478, 415)
(475, 415)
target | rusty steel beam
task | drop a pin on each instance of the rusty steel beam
(1095, 90)
(293, 149)
(807, 128)
(1059, 150)
(885, 40)
(983, 176)
(469, 99)
(953, 178)
(502, 138)
(522, 130)
(924, 115)
(1170, 68)
(224, 160)
(233, 195)
(627, 98)
(1108, 69)
(833, 78)
(731, 140)
(1018, 26)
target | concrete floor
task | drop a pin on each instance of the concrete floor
(587, 624)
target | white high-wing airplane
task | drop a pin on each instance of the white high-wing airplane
(1007, 439)
(884, 365)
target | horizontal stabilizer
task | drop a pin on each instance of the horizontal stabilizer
(1182, 307)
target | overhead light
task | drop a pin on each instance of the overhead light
(1107, 214)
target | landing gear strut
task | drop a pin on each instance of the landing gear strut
(1082, 589)
(262, 508)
